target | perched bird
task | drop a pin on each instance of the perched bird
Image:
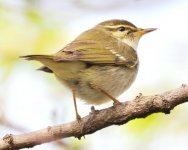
(100, 64)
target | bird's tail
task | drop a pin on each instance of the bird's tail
(46, 60)
(37, 57)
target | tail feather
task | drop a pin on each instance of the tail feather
(50, 65)
(45, 69)
(46, 60)
(37, 57)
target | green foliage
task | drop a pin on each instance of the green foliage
(26, 32)
(32, 15)
(144, 125)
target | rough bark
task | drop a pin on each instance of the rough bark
(140, 107)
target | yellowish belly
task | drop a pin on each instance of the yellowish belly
(87, 81)
(114, 80)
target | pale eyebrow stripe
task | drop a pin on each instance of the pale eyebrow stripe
(117, 26)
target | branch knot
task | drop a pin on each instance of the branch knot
(8, 138)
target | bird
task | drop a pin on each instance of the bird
(99, 65)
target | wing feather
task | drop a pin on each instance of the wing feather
(98, 51)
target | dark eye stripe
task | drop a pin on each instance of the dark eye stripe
(122, 28)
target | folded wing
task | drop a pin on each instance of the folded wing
(98, 51)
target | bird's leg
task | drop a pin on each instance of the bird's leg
(78, 118)
(116, 102)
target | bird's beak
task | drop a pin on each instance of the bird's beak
(144, 31)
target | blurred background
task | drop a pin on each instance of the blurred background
(31, 100)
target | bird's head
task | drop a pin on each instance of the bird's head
(124, 31)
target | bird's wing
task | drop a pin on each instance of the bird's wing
(95, 52)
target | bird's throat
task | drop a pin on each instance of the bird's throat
(131, 43)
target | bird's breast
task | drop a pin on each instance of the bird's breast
(113, 79)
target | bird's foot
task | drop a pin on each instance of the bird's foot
(117, 103)
(78, 118)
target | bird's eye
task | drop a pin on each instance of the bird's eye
(121, 29)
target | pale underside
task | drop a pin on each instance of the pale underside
(88, 82)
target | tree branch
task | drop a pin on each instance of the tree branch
(140, 107)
